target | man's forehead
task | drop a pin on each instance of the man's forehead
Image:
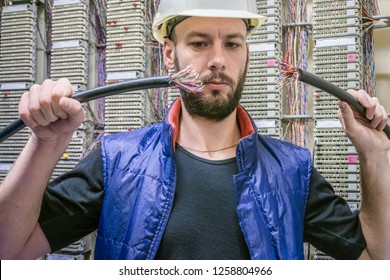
(193, 26)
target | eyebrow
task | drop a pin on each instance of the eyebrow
(206, 36)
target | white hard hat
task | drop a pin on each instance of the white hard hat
(171, 9)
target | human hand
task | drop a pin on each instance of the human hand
(49, 112)
(365, 132)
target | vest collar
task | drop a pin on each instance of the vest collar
(245, 123)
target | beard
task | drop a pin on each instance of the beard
(216, 108)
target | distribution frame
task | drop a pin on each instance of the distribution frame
(98, 42)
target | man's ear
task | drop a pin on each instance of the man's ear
(169, 54)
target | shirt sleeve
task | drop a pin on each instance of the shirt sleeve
(72, 203)
(330, 225)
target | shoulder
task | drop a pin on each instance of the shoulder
(134, 135)
(284, 147)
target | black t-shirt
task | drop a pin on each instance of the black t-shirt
(203, 223)
(72, 204)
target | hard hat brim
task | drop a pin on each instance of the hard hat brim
(256, 19)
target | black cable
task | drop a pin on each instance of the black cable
(341, 94)
(96, 93)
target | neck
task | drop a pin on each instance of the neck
(209, 139)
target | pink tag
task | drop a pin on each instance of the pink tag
(351, 57)
(271, 62)
(352, 159)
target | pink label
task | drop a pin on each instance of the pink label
(352, 57)
(271, 62)
(352, 159)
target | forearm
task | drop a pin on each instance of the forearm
(22, 191)
(375, 211)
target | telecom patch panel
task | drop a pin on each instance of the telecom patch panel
(255, 89)
(71, 14)
(269, 127)
(255, 72)
(326, 114)
(321, 104)
(260, 106)
(337, 32)
(341, 59)
(18, 31)
(266, 50)
(340, 77)
(257, 114)
(136, 33)
(13, 42)
(347, 187)
(327, 132)
(338, 22)
(64, 33)
(333, 141)
(333, 149)
(70, 29)
(134, 66)
(129, 97)
(325, 6)
(268, 4)
(115, 125)
(259, 97)
(335, 159)
(340, 168)
(117, 108)
(262, 94)
(344, 178)
(334, 14)
(337, 57)
(318, 255)
(124, 24)
(71, 6)
(70, 157)
(338, 68)
(69, 59)
(173, 94)
(116, 60)
(125, 52)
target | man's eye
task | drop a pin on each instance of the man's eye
(232, 45)
(198, 45)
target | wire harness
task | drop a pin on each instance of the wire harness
(186, 79)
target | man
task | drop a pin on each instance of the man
(200, 185)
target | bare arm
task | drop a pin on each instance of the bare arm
(373, 147)
(53, 118)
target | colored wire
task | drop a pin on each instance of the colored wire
(296, 50)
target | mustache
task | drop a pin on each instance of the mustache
(217, 76)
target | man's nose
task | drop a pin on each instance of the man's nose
(217, 60)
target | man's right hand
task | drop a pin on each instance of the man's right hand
(49, 112)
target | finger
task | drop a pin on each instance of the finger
(45, 101)
(366, 101)
(72, 108)
(384, 121)
(378, 114)
(63, 88)
(34, 106)
(346, 117)
(24, 112)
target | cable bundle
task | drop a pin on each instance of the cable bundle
(186, 79)
(296, 50)
(290, 75)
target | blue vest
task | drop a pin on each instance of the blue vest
(139, 175)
